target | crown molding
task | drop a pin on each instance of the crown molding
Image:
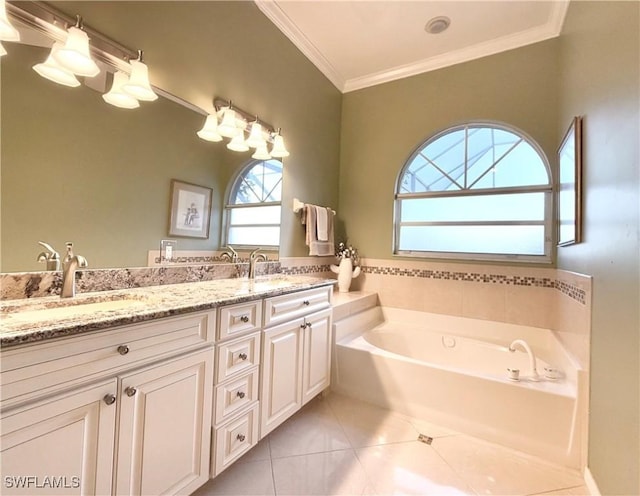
(282, 21)
(550, 29)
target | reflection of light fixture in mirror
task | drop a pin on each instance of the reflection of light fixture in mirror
(2, 50)
(7, 31)
(53, 71)
(117, 96)
(279, 150)
(261, 152)
(255, 138)
(209, 131)
(229, 127)
(138, 85)
(74, 55)
(237, 143)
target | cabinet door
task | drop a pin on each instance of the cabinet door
(316, 369)
(281, 392)
(63, 445)
(165, 427)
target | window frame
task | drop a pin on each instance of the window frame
(546, 189)
(229, 207)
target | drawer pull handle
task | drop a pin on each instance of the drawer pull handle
(130, 391)
(123, 349)
(309, 325)
(244, 319)
(241, 437)
(240, 394)
(303, 326)
(305, 303)
(109, 399)
(242, 356)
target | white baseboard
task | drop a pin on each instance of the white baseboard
(591, 483)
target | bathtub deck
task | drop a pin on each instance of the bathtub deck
(339, 445)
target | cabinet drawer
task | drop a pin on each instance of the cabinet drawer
(234, 439)
(239, 319)
(286, 307)
(27, 370)
(235, 395)
(234, 357)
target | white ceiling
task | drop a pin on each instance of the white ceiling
(361, 43)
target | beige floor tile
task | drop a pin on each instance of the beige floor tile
(491, 469)
(570, 491)
(322, 474)
(241, 479)
(314, 429)
(410, 468)
(369, 425)
(258, 453)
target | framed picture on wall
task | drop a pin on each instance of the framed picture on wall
(569, 200)
(190, 210)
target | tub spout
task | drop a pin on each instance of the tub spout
(532, 358)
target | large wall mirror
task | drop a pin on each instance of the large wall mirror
(77, 169)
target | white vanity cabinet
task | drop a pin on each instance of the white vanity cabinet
(296, 353)
(129, 406)
(236, 400)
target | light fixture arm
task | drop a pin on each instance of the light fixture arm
(221, 103)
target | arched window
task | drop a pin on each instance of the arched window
(477, 191)
(253, 206)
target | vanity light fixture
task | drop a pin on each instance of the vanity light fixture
(261, 153)
(116, 96)
(7, 31)
(279, 150)
(237, 143)
(256, 136)
(138, 85)
(229, 127)
(53, 71)
(209, 131)
(74, 55)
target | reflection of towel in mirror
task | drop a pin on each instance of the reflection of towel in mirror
(317, 247)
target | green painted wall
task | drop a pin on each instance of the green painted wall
(382, 126)
(600, 79)
(75, 168)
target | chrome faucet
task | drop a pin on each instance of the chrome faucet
(69, 266)
(532, 358)
(231, 255)
(253, 259)
(51, 256)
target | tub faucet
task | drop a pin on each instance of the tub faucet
(51, 256)
(532, 357)
(231, 255)
(69, 265)
(253, 259)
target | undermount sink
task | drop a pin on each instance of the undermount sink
(68, 308)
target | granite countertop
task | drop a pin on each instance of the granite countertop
(39, 319)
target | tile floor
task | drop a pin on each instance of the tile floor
(339, 446)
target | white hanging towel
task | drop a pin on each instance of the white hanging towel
(322, 216)
(317, 247)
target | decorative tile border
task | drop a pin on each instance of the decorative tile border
(572, 291)
(299, 270)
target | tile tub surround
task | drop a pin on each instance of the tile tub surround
(21, 325)
(18, 285)
(538, 297)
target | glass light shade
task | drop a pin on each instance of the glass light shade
(50, 69)
(255, 138)
(229, 127)
(138, 85)
(279, 150)
(261, 152)
(74, 55)
(117, 96)
(2, 50)
(238, 144)
(209, 131)
(7, 31)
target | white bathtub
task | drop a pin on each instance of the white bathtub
(452, 371)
